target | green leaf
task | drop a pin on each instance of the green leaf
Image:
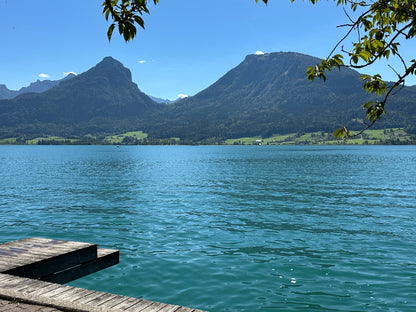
(107, 13)
(110, 31)
(342, 133)
(365, 55)
(354, 59)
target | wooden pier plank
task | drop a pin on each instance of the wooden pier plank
(105, 258)
(26, 264)
(76, 299)
(73, 294)
(123, 306)
(18, 257)
(110, 304)
(137, 305)
(59, 262)
(154, 306)
(103, 298)
(43, 289)
(53, 292)
(81, 295)
(171, 308)
(39, 246)
(183, 309)
(28, 286)
(5, 277)
(36, 247)
(87, 297)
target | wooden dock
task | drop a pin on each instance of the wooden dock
(33, 270)
(54, 260)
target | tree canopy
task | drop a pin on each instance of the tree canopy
(379, 27)
(125, 15)
(373, 32)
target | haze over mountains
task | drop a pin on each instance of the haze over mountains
(264, 95)
(38, 86)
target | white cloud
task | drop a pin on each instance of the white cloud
(182, 96)
(43, 76)
(142, 62)
(259, 53)
(67, 73)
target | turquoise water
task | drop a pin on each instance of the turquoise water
(228, 228)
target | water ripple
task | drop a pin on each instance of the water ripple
(228, 228)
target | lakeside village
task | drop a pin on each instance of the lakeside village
(392, 136)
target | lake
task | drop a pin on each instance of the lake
(228, 228)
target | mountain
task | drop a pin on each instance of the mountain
(264, 95)
(5, 93)
(36, 87)
(269, 94)
(102, 100)
(159, 100)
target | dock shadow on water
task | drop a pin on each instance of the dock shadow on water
(228, 228)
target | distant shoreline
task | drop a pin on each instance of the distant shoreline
(391, 136)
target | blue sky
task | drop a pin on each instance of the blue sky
(187, 45)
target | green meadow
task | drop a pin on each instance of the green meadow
(125, 138)
(369, 137)
(386, 136)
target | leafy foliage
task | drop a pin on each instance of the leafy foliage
(125, 14)
(379, 26)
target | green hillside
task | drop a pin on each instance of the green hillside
(265, 95)
(101, 101)
(269, 94)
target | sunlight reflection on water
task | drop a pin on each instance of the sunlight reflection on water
(228, 228)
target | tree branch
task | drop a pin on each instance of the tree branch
(376, 56)
(110, 7)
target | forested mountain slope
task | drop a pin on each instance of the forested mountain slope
(264, 95)
(102, 100)
(269, 94)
